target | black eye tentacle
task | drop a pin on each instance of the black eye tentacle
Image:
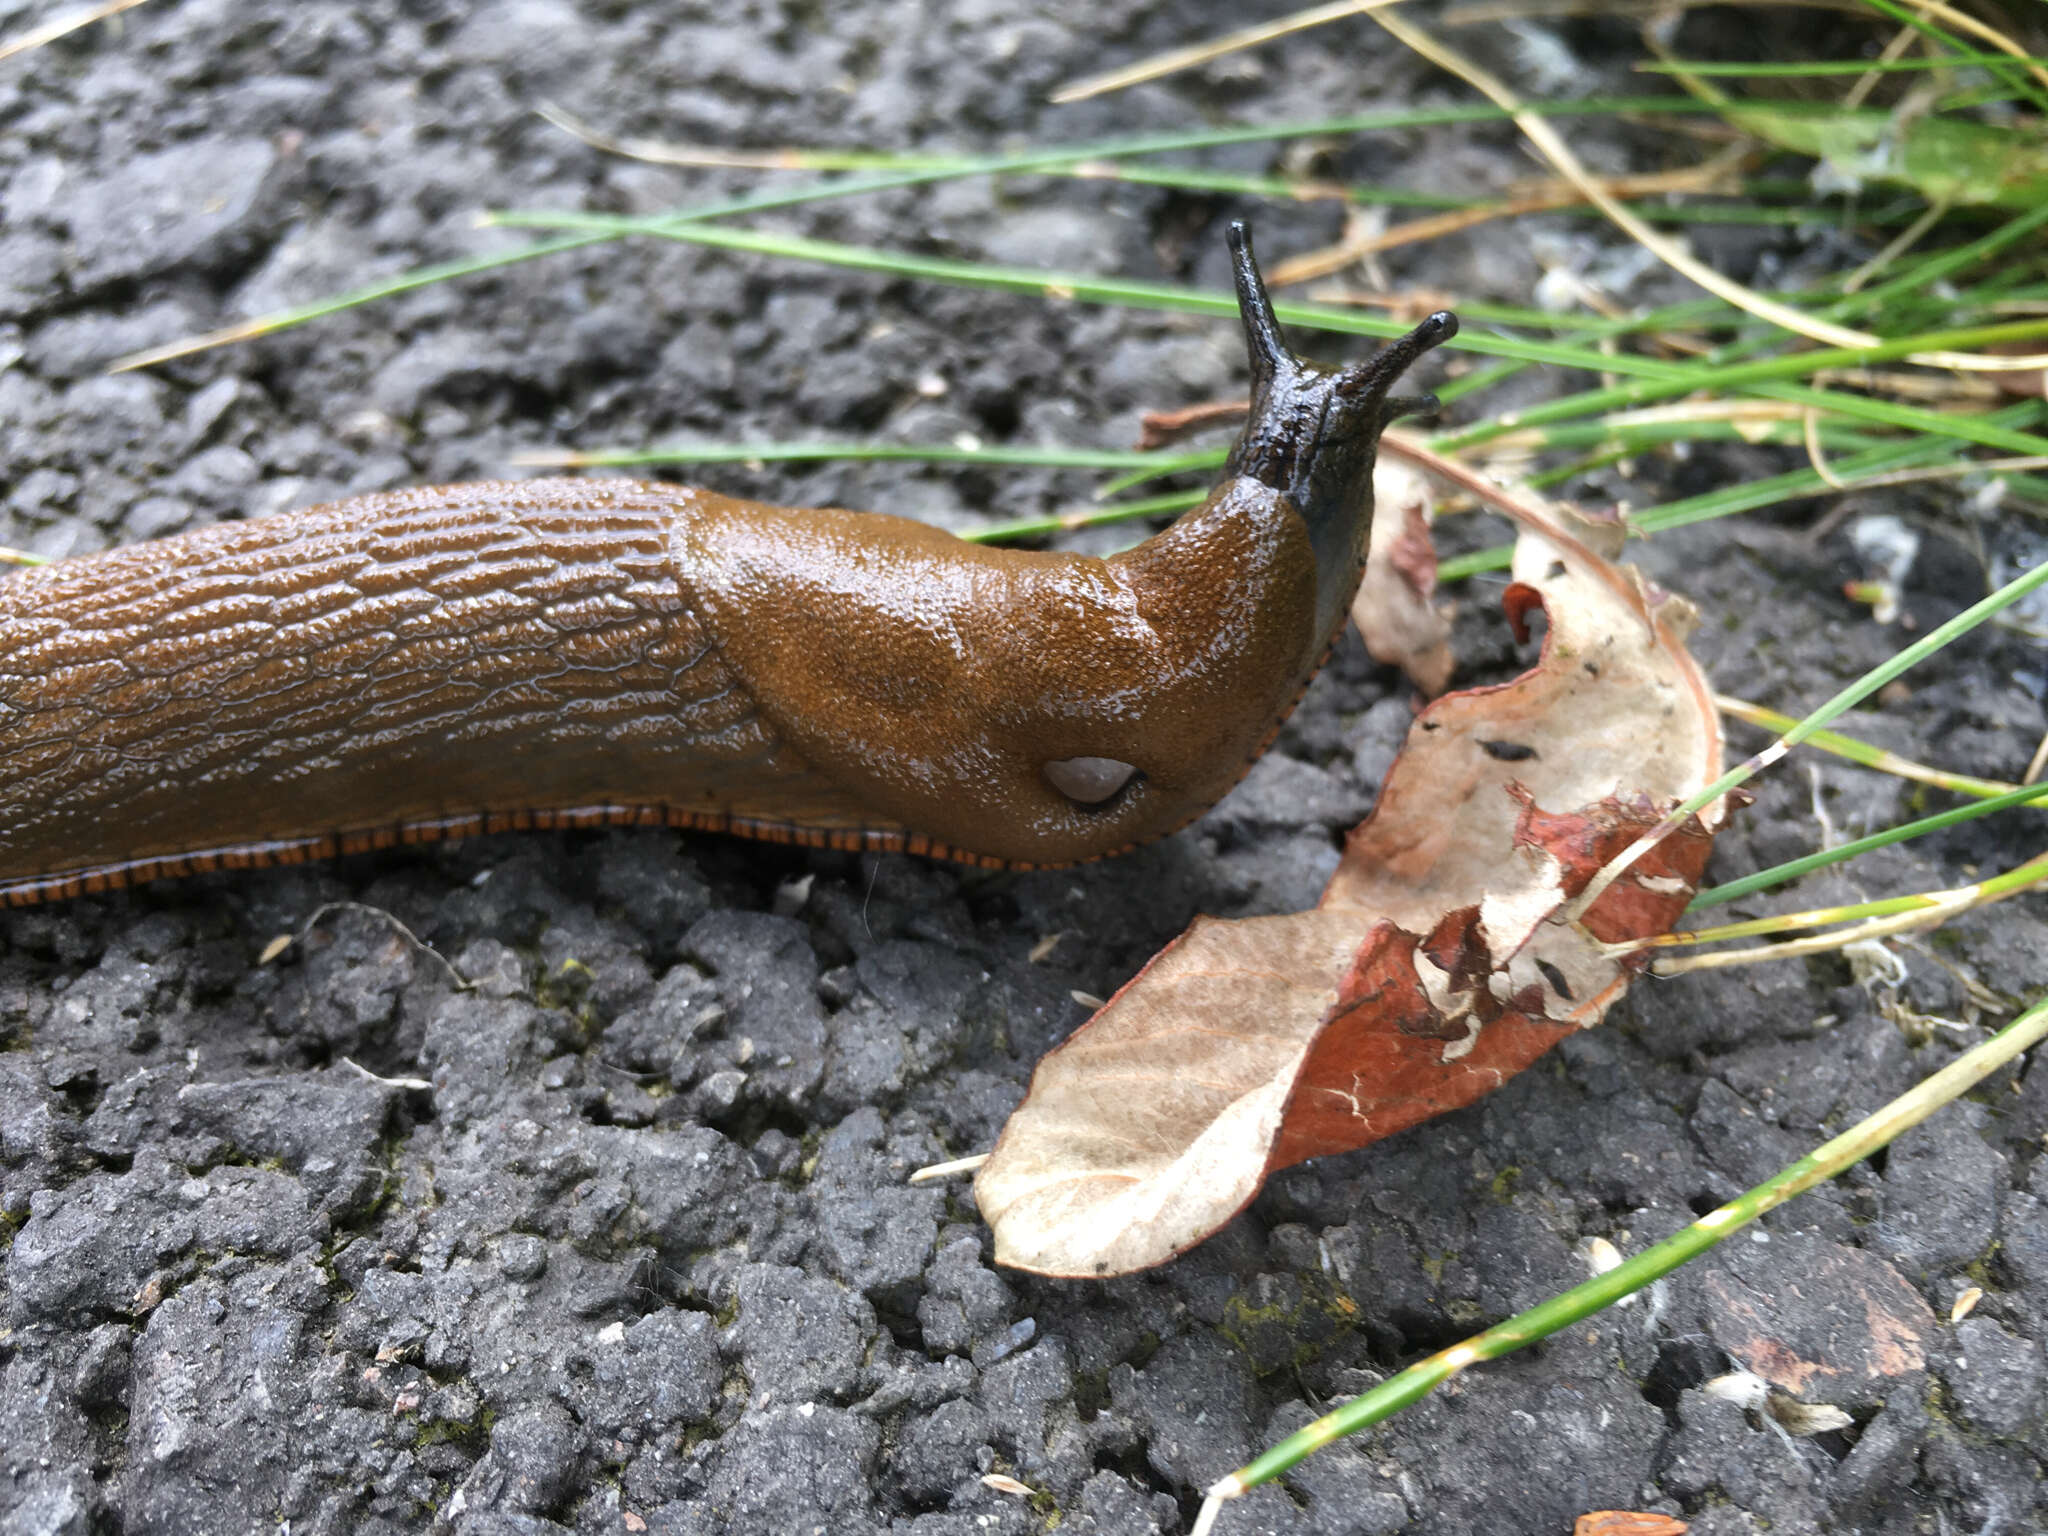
(1262, 339)
(1398, 406)
(1379, 371)
(1312, 431)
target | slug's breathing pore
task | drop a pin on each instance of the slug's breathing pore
(548, 653)
(1089, 780)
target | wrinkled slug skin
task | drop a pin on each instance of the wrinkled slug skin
(587, 646)
(402, 661)
(431, 663)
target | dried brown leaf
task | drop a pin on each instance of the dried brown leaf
(1394, 611)
(1428, 974)
(1627, 1522)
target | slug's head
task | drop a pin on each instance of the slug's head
(1314, 431)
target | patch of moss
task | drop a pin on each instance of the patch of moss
(1091, 1392)
(566, 990)
(565, 987)
(1042, 1503)
(1142, 1352)
(1293, 1320)
(813, 1148)
(695, 1434)
(468, 1435)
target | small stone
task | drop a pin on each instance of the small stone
(188, 203)
(521, 1257)
(1994, 1376)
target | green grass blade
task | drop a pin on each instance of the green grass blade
(1653, 1263)
(1843, 701)
(1941, 265)
(1820, 68)
(1480, 561)
(1793, 484)
(1116, 512)
(1068, 286)
(1753, 494)
(1850, 749)
(1763, 377)
(812, 453)
(2011, 71)
(884, 173)
(471, 266)
(1780, 874)
(1654, 380)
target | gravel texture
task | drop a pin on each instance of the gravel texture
(622, 1241)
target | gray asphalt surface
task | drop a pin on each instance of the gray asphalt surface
(642, 1257)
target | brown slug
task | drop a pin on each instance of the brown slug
(565, 653)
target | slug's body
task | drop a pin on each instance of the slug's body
(569, 652)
